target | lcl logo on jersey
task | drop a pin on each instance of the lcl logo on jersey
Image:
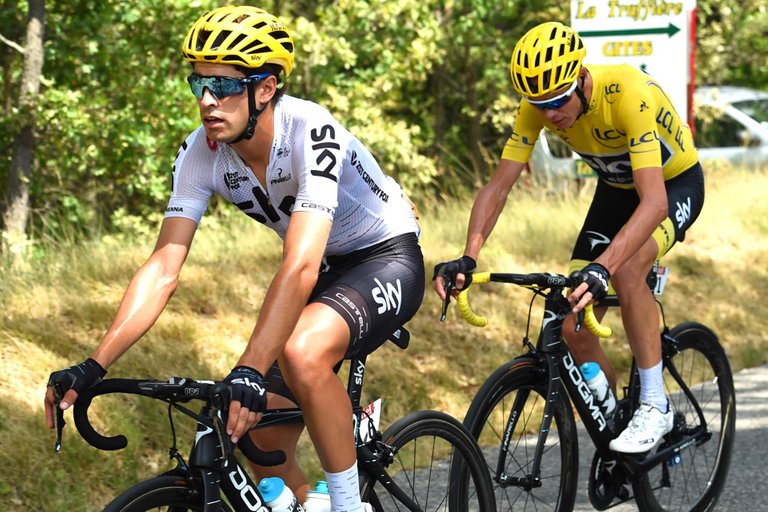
(388, 296)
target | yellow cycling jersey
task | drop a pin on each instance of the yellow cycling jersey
(631, 124)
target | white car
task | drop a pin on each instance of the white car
(731, 127)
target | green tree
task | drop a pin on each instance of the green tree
(16, 210)
(732, 43)
(425, 83)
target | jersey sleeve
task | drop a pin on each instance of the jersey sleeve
(525, 131)
(320, 165)
(191, 188)
(637, 112)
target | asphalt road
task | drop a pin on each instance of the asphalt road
(747, 485)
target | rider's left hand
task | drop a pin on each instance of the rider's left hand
(249, 400)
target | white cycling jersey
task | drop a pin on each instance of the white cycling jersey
(315, 165)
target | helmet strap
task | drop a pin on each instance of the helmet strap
(253, 114)
(580, 93)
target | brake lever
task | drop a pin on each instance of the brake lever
(58, 418)
(448, 287)
(219, 421)
(58, 421)
(579, 320)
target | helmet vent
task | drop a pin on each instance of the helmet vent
(237, 40)
(247, 48)
(223, 35)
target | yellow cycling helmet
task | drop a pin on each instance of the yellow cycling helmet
(242, 36)
(547, 58)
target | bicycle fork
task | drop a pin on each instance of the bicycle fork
(533, 479)
(236, 484)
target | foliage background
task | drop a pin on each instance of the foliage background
(423, 82)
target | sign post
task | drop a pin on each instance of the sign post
(656, 36)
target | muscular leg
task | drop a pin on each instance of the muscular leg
(638, 308)
(319, 341)
(284, 438)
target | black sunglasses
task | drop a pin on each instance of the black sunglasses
(221, 86)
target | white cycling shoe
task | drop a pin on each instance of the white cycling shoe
(645, 430)
(367, 507)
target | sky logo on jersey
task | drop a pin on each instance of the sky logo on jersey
(683, 212)
(327, 150)
(388, 296)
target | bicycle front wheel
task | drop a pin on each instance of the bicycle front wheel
(506, 418)
(423, 447)
(168, 492)
(694, 479)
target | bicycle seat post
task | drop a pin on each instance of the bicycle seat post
(355, 379)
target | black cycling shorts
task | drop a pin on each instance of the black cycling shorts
(612, 207)
(376, 290)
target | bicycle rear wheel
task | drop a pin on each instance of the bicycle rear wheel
(425, 445)
(170, 493)
(694, 479)
(518, 390)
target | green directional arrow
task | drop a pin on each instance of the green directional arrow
(670, 30)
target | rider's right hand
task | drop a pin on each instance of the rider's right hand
(458, 272)
(65, 385)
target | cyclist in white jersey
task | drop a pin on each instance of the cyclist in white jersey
(352, 270)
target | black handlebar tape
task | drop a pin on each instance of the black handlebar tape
(80, 413)
(259, 457)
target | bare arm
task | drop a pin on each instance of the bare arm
(149, 291)
(145, 298)
(486, 209)
(489, 204)
(303, 249)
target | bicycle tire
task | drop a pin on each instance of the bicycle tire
(426, 446)
(172, 493)
(486, 419)
(695, 481)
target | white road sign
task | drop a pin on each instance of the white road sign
(653, 35)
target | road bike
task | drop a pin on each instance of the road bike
(523, 419)
(405, 468)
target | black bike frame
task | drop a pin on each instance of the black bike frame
(241, 491)
(554, 357)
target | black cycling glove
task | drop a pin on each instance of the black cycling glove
(247, 386)
(80, 377)
(449, 269)
(596, 276)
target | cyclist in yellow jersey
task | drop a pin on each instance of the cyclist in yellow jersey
(650, 190)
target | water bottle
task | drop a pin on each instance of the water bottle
(318, 499)
(278, 496)
(598, 384)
